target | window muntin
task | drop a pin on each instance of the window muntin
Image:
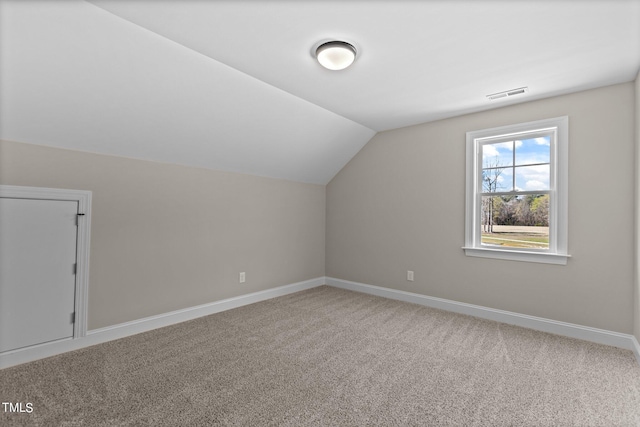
(517, 192)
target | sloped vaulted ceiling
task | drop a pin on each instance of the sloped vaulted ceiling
(78, 77)
(233, 85)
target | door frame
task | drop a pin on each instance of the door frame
(83, 197)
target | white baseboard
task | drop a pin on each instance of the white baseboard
(636, 348)
(571, 330)
(97, 336)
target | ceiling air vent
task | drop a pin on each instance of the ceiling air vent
(508, 93)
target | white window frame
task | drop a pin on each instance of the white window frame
(558, 191)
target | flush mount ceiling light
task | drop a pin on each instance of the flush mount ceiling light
(336, 55)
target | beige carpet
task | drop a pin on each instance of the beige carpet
(328, 357)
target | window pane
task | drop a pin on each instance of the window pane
(497, 180)
(532, 151)
(499, 154)
(532, 178)
(515, 221)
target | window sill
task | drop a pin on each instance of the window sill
(540, 257)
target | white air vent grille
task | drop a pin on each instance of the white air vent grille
(508, 93)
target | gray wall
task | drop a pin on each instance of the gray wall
(166, 237)
(399, 205)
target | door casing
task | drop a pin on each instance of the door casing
(83, 197)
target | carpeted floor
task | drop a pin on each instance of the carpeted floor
(329, 357)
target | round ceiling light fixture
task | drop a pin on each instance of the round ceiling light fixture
(336, 55)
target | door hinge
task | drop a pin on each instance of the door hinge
(75, 268)
(73, 317)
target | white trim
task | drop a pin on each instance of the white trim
(83, 198)
(636, 348)
(571, 330)
(541, 257)
(97, 336)
(559, 191)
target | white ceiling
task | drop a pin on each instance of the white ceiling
(233, 85)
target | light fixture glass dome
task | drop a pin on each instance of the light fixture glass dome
(336, 55)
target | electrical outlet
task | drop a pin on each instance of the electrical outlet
(243, 277)
(410, 275)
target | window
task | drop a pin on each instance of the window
(516, 198)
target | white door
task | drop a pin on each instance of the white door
(37, 271)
